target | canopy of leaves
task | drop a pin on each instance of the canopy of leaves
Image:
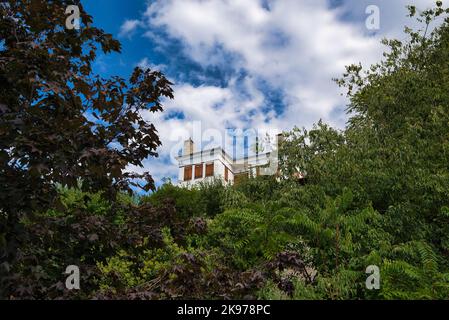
(376, 193)
(59, 122)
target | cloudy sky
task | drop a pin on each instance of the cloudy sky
(265, 65)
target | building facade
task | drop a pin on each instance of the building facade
(208, 165)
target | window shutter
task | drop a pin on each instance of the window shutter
(198, 171)
(187, 173)
(209, 170)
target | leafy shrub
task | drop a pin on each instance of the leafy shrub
(187, 201)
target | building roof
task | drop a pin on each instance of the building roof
(224, 153)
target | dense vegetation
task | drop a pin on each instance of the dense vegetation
(376, 193)
(60, 122)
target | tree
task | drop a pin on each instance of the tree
(392, 156)
(398, 136)
(59, 122)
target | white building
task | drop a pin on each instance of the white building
(207, 165)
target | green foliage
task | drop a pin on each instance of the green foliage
(122, 271)
(233, 198)
(48, 95)
(211, 194)
(258, 189)
(235, 233)
(375, 193)
(187, 201)
(204, 199)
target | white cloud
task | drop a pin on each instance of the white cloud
(128, 28)
(393, 14)
(158, 169)
(145, 63)
(296, 47)
(205, 108)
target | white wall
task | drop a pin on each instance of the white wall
(181, 174)
(205, 157)
(219, 170)
(219, 160)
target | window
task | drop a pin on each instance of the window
(198, 171)
(209, 170)
(187, 173)
(226, 173)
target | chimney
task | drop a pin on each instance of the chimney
(189, 147)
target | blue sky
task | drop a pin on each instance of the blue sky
(265, 65)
